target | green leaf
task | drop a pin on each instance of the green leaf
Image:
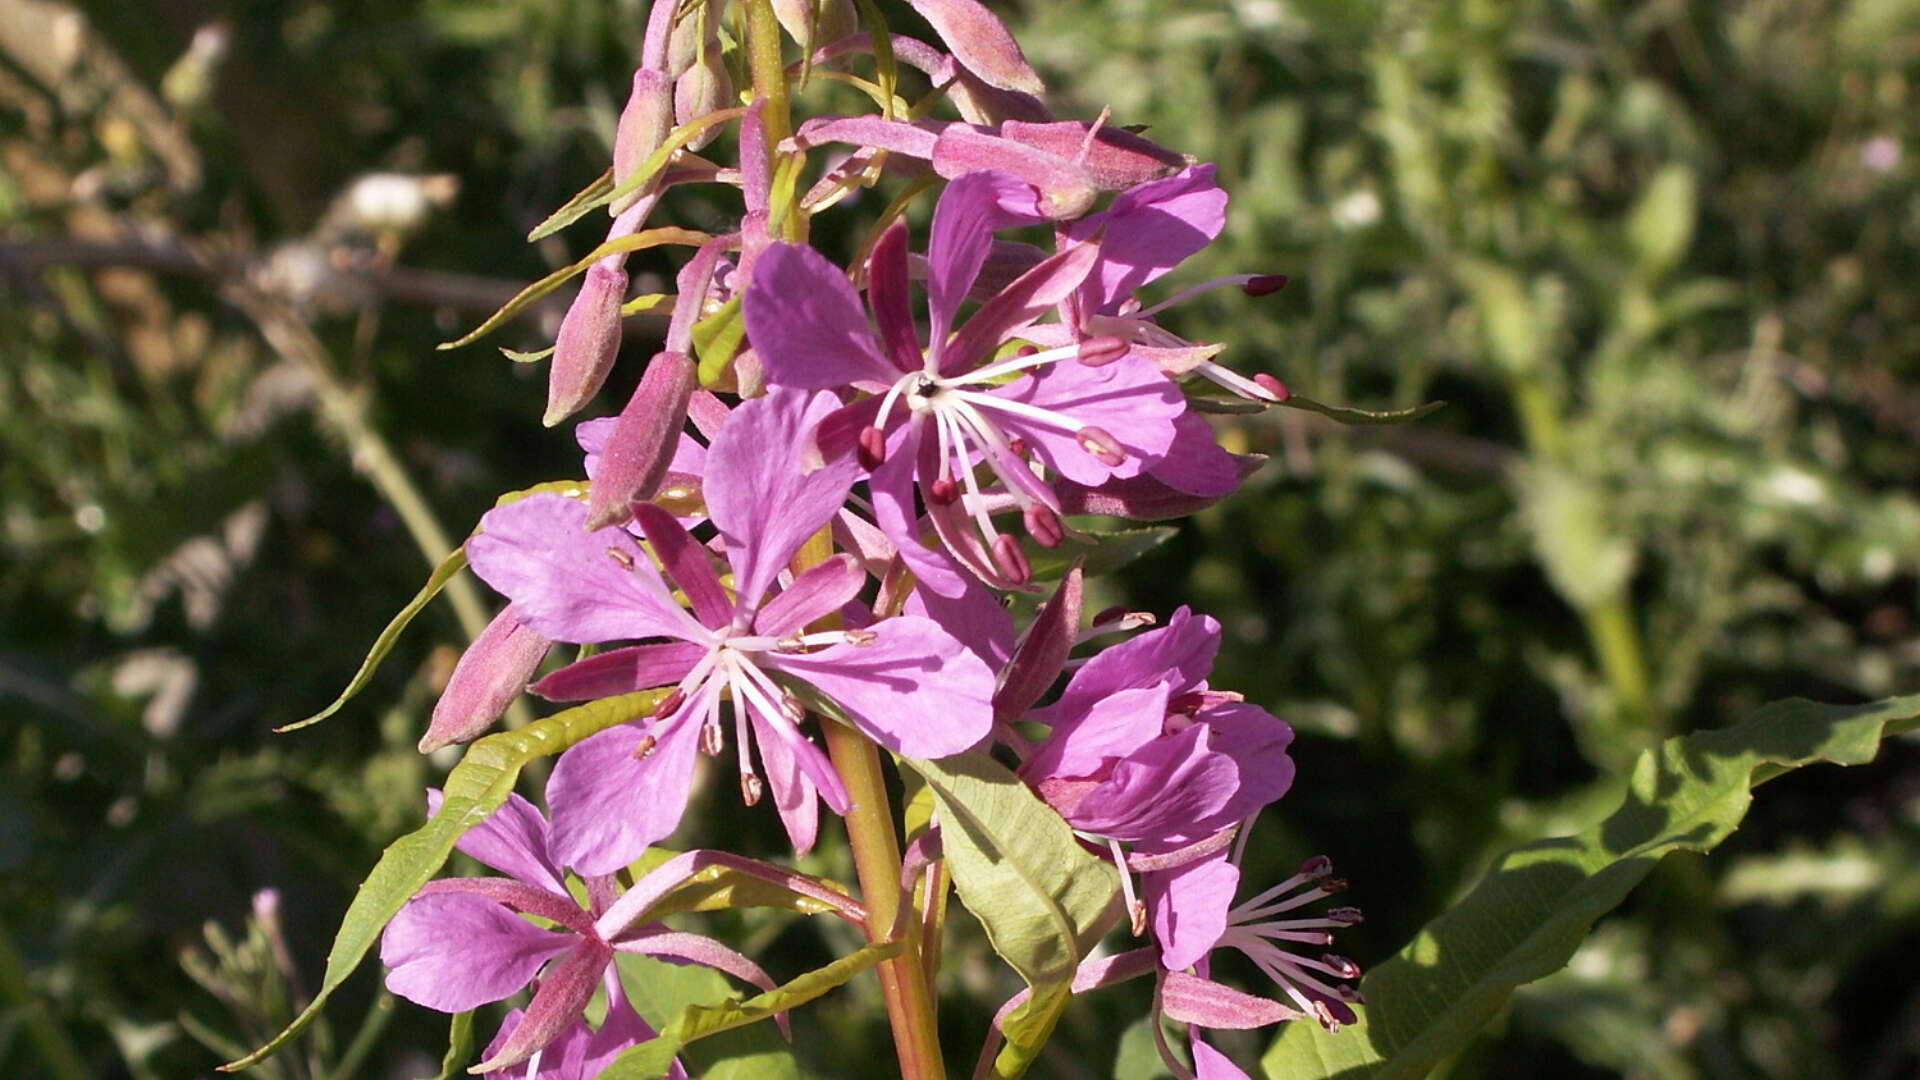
(594, 194)
(1043, 899)
(1660, 226)
(1348, 415)
(1528, 915)
(455, 562)
(1105, 550)
(528, 296)
(652, 1058)
(475, 789)
(716, 338)
(459, 1046)
(660, 990)
(519, 357)
(883, 61)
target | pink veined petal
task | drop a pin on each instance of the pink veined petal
(608, 805)
(1211, 1064)
(1191, 999)
(1030, 296)
(1193, 463)
(621, 1029)
(512, 840)
(757, 494)
(687, 563)
(915, 689)
(621, 671)
(1148, 231)
(1169, 792)
(976, 618)
(1128, 399)
(455, 952)
(888, 294)
(520, 897)
(1187, 907)
(807, 324)
(1257, 741)
(563, 579)
(816, 591)
(794, 796)
(560, 1001)
(1180, 653)
(963, 222)
(1085, 744)
(563, 1058)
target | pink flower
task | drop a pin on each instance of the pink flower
(903, 681)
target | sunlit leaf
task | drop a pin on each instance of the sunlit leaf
(530, 295)
(1532, 910)
(1349, 415)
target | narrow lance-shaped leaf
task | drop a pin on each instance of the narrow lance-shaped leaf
(1532, 910)
(652, 1058)
(455, 562)
(476, 788)
(1348, 415)
(1043, 899)
(639, 241)
(598, 195)
(594, 194)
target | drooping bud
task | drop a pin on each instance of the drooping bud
(981, 42)
(644, 125)
(694, 29)
(1115, 158)
(701, 89)
(589, 340)
(1264, 285)
(1010, 560)
(1043, 525)
(491, 673)
(1099, 442)
(643, 441)
(1101, 351)
(872, 447)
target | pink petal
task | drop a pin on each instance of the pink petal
(1129, 399)
(915, 689)
(1257, 741)
(455, 952)
(1166, 793)
(887, 293)
(975, 617)
(621, 671)
(1187, 907)
(1042, 654)
(512, 840)
(1211, 1064)
(758, 495)
(623, 1028)
(806, 323)
(608, 805)
(1193, 463)
(1191, 999)
(1086, 744)
(794, 795)
(815, 592)
(1148, 231)
(963, 222)
(560, 1001)
(1179, 653)
(897, 514)
(1031, 296)
(1142, 498)
(566, 584)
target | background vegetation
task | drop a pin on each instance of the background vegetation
(1659, 258)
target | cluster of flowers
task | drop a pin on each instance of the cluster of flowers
(916, 446)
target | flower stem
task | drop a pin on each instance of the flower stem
(876, 860)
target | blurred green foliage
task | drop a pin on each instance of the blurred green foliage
(1659, 256)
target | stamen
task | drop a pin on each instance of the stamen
(750, 788)
(1136, 908)
(643, 749)
(1272, 386)
(669, 704)
(1101, 444)
(1044, 526)
(1011, 560)
(1270, 391)
(625, 560)
(1265, 284)
(872, 448)
(943, 491)
(859, 637)
(1247, 282)
(1101, 351)
(1019, 361)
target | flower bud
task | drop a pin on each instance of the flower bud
(644, 125)
(643, 441)
(694, 32)
(703, 88)
(980, 41)
(588, 342)
(490, 674)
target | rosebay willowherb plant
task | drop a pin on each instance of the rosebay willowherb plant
(802, 542)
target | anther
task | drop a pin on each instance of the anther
(643, 749)
(1101, 444)
(1101, 351)
(1346, 916)
(712, 739)
(1272, 386)
(1017, 446)
(1043, 525)
(943, 492)
(789, 644)
(750, 788)
(860, 637)
(1333, 885)
(1264, 284)
(669, 704)
(1341, 966)
(1137, 916)
(1318, 866)
(1010, 559)
(872, 447)
(625, 560)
